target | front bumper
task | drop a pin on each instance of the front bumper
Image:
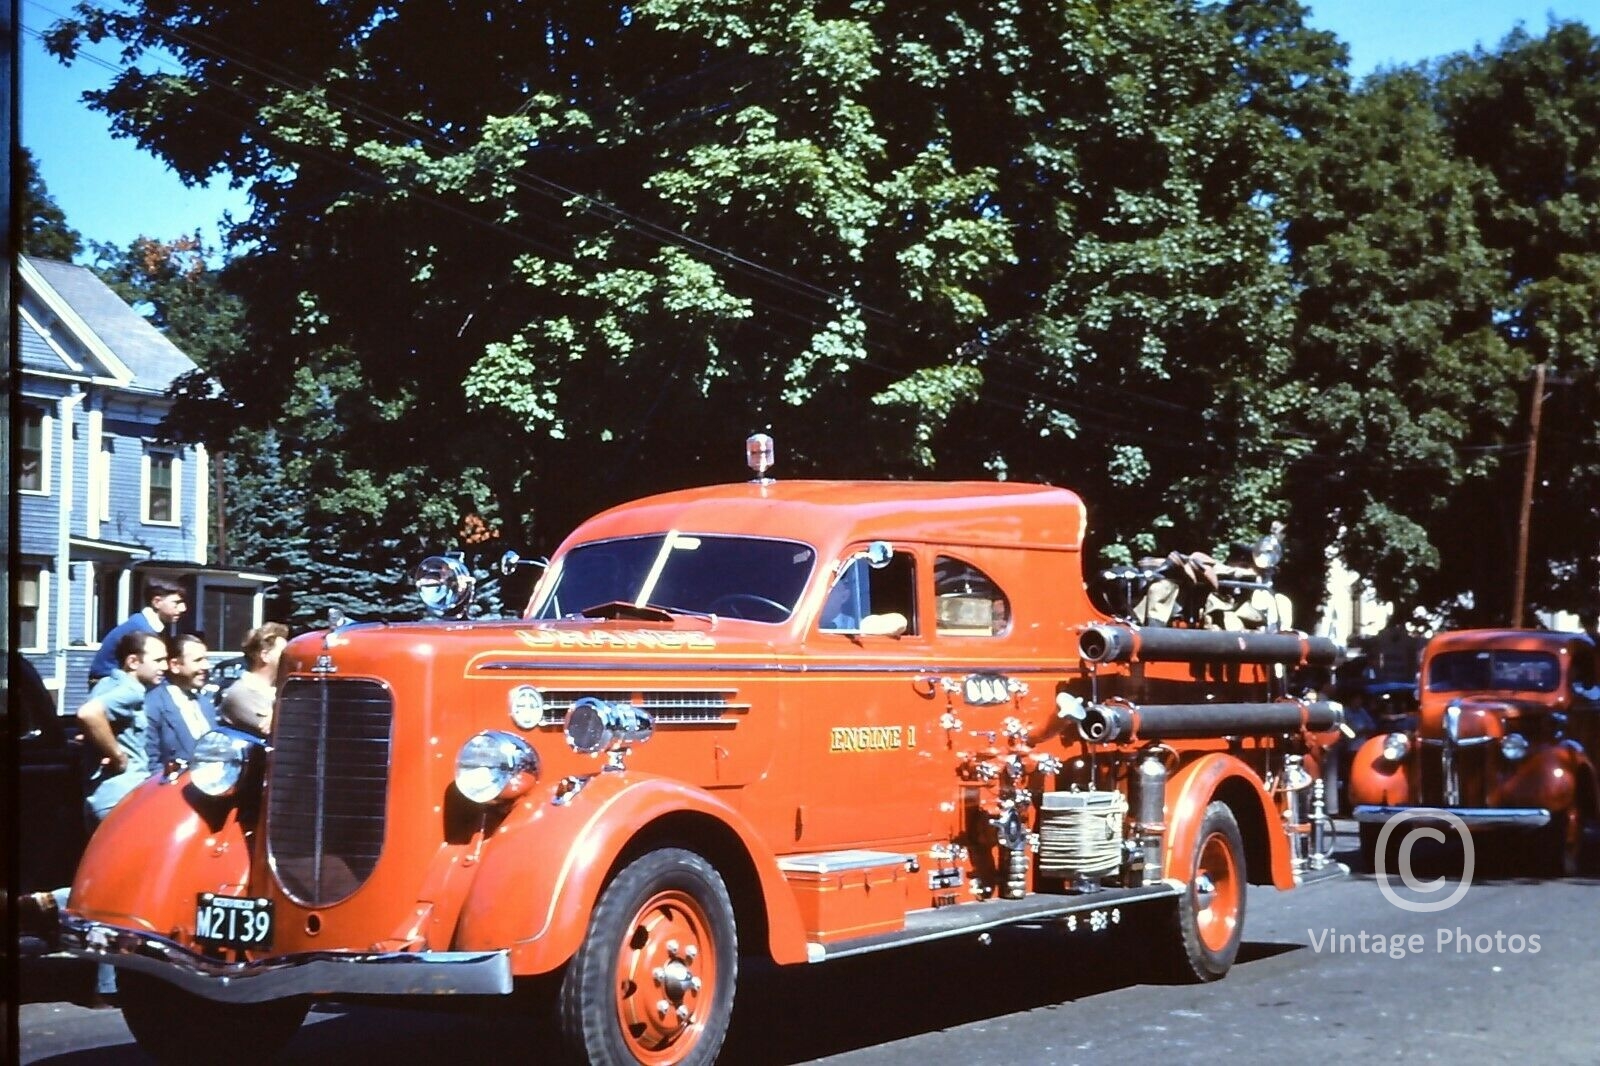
(320, 973)
(1472, 817)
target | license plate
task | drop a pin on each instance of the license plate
(228, 921)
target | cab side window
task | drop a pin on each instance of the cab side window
(875, 602)
(970, 603)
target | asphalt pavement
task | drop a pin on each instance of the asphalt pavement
(1507, 973)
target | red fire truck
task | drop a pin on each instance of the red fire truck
(800, 719)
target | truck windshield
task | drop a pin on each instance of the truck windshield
(1488, 671)
(757, 578)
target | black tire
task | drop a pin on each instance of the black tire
(1560, 845)
(174, 1027)
(662, 932)
(1210, 916)
(1369, 846)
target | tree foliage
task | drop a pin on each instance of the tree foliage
(45, 232)
(510, 263)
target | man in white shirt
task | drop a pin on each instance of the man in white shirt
(180, 712)
(248, 702)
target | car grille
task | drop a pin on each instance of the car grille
(330, 776)
(666, 707)
(1472, 774)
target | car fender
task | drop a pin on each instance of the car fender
(1193, 788)
(160, 846)
(1550, 778)
(538, 880)
(1376, 781)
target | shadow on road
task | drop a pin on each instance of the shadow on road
(783, 1016)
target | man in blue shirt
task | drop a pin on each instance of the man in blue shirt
(179, 710)
(164, 605)
(115, 724)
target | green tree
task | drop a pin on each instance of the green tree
(1407, 385)
(995, 238)
(1528, 113)
(45, 232)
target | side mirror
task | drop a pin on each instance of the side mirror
(879, 554)
(510, 561)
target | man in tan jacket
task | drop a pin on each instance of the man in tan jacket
(248, 701)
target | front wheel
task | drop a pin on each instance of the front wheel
(653, 980)
(1561, 844)
(175, 1027)
(1210, 919)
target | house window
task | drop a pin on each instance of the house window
(107, 609)
(31, 456)
(161, 472)
(30, 633)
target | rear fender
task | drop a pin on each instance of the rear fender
(539, 880)
(159, 847)
(1376, 781)
(1218, 775)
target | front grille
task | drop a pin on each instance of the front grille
(1472, 773)
(666, 707)
(330, 777)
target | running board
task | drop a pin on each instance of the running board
(1104, 909)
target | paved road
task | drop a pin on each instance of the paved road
(1043, 997)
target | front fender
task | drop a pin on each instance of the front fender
(538, 881)
(157, 848)
(1193, 788)
(1549, 778)
(1377, 782)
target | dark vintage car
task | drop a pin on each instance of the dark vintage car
(1507, 727)
(49, 821)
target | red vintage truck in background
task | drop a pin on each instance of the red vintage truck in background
(1507, 727)
(803, 719)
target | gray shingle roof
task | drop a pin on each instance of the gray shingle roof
(154, 361)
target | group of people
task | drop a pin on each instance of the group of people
(148, 706)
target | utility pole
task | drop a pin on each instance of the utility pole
(1520, 589)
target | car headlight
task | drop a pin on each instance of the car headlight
(219, 761)
(495, 766)
(1395, 746)
(1513, 746)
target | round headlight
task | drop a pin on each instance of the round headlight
(218, 762)
(444, 584)
(495, 766)
(594, 725)
(1513, 746)
(1395, 746)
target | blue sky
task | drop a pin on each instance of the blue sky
(112, 191)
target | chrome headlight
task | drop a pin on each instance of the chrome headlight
(219, 761)
(593, 725)
(444, 584)
(1395, 746)
(1513, 746)
(495, 766)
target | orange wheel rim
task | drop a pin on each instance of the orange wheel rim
(1217, 890)
(666, 978)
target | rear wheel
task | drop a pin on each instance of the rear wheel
(175, 1027)
(653, 981)
(1210, 920)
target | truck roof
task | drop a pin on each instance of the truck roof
(1002, 514)
(1525, 639)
